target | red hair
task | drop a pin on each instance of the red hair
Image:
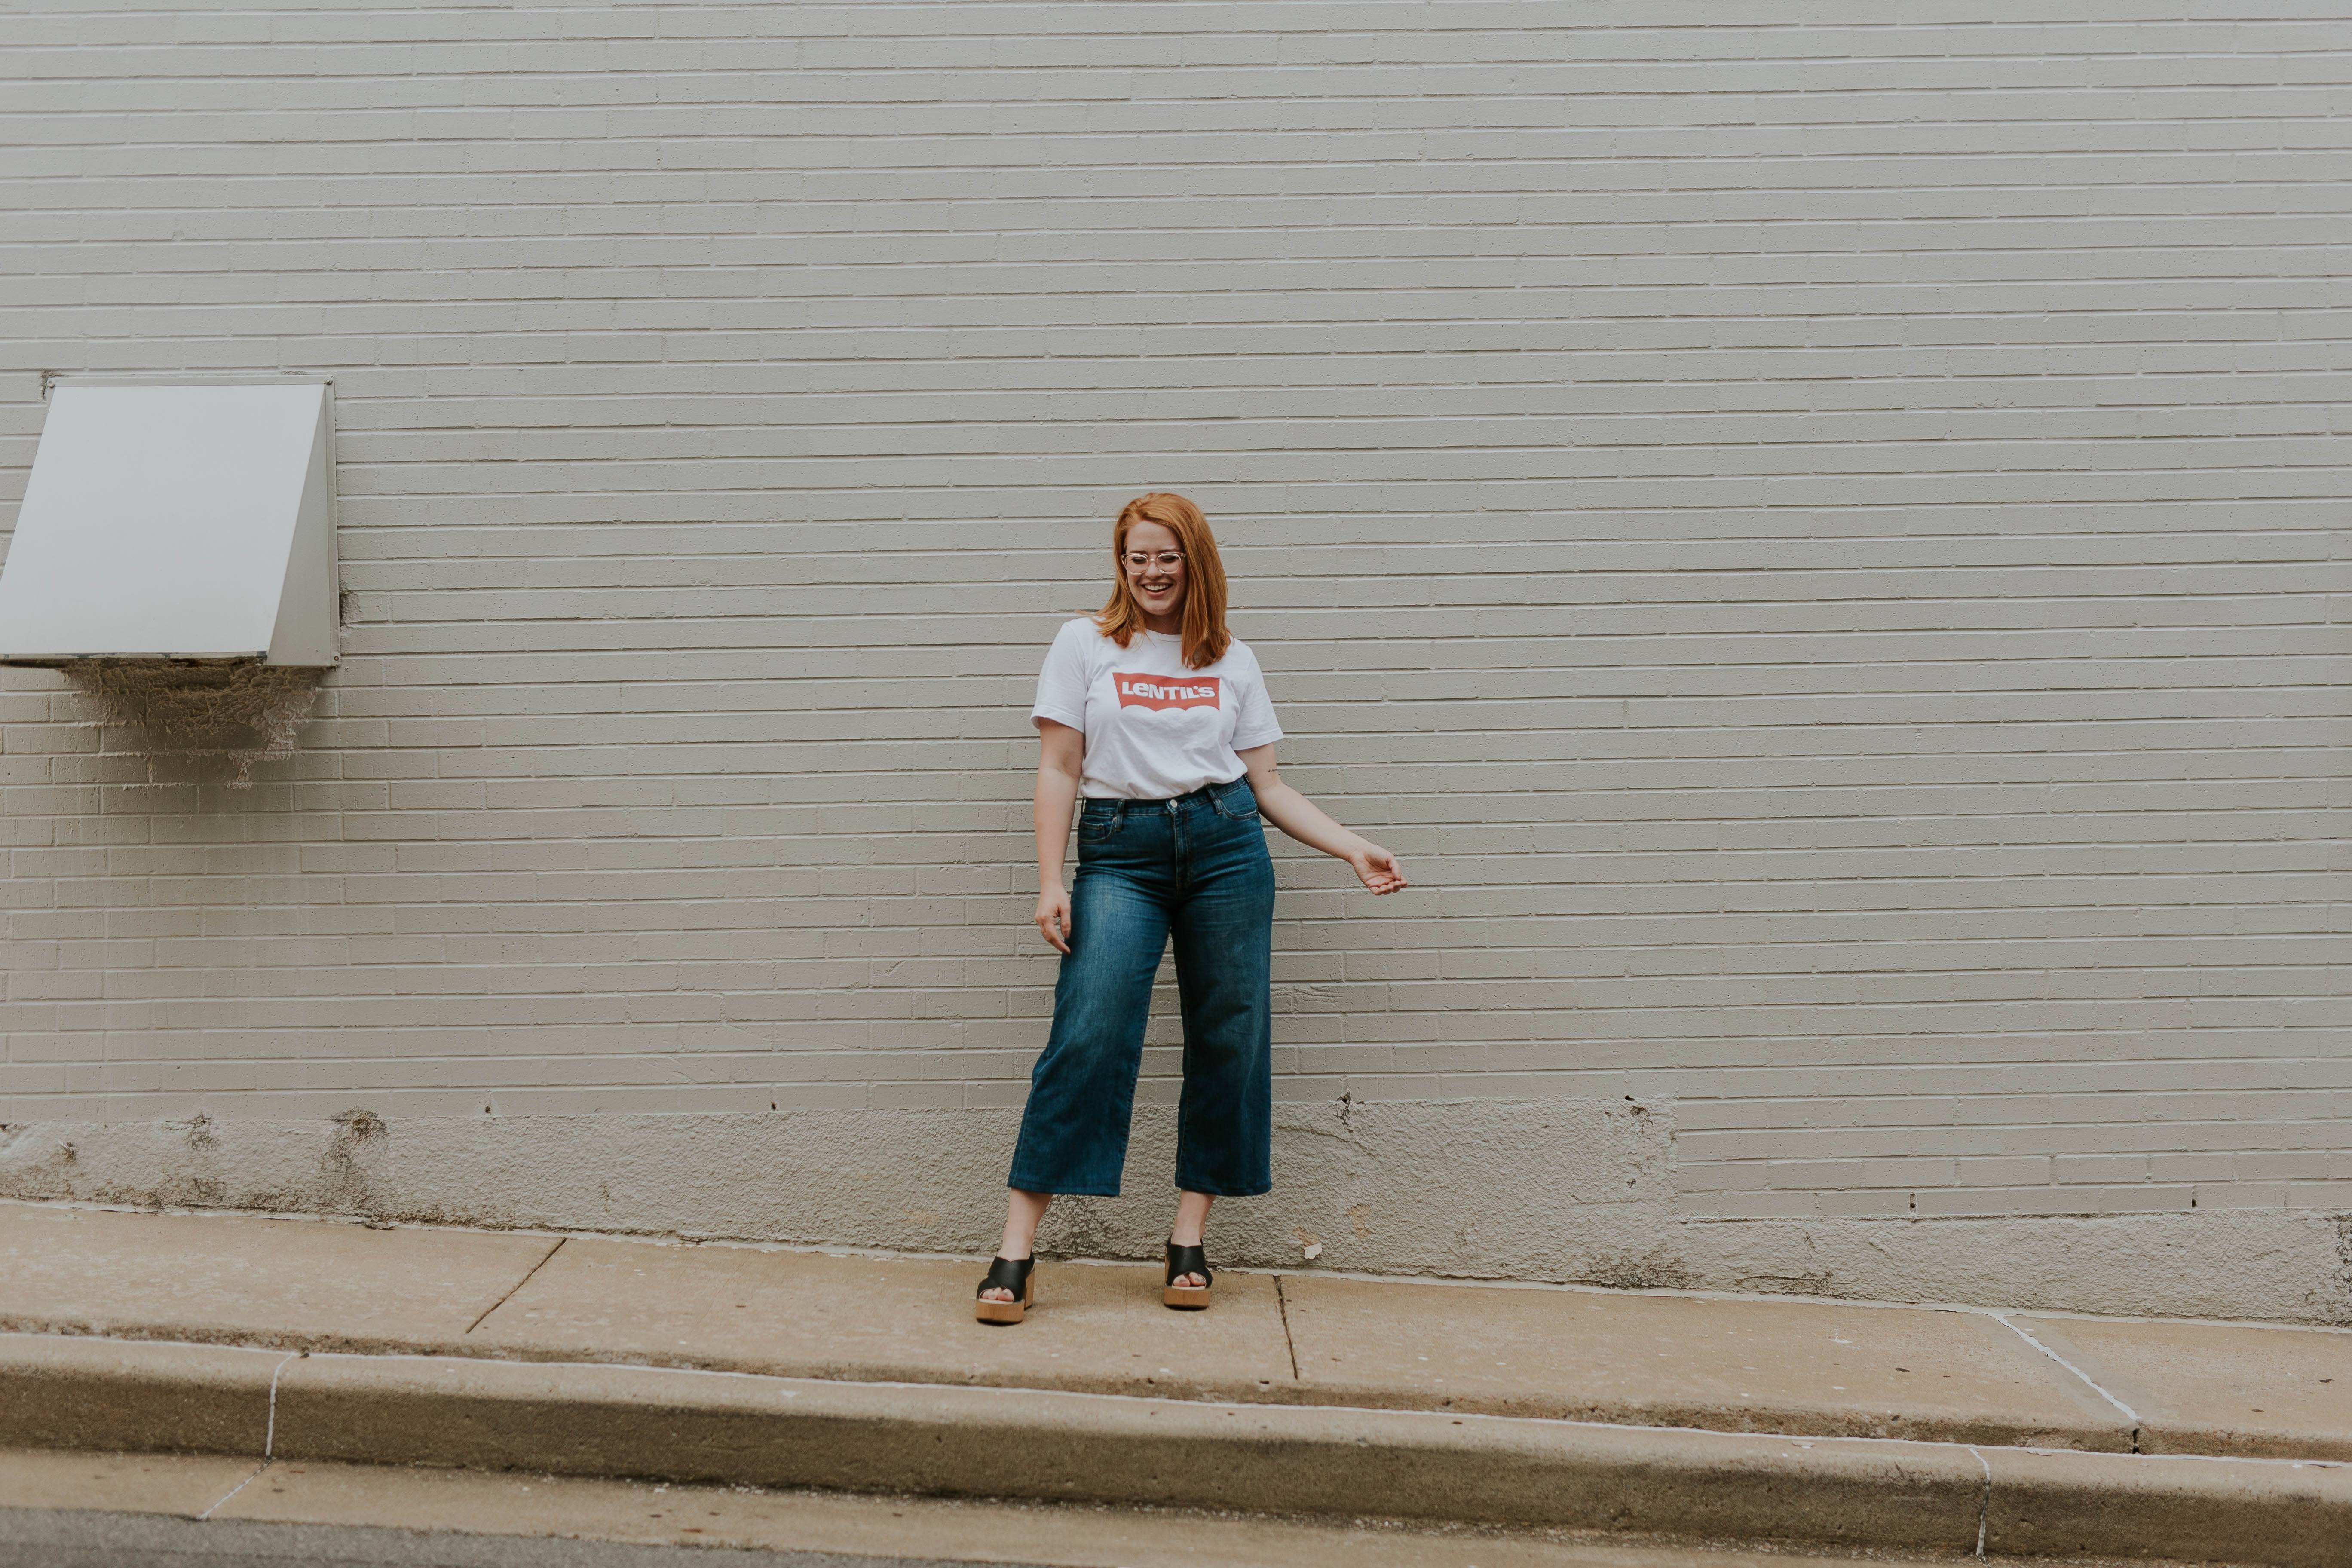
(1205, 637)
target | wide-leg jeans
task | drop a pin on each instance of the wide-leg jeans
(1195, 869)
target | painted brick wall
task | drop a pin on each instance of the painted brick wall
(1816, 538)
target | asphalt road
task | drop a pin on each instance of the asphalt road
(43, 1538)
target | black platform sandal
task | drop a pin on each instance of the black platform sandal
(1006, 1274)
(1186, 1260)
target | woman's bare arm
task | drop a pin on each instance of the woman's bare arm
(1311, 825)
(1061, 754)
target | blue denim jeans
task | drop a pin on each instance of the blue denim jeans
(1194, 867)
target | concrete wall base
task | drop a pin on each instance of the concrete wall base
(1574, 1191)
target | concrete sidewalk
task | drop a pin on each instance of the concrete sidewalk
(1873, 1426)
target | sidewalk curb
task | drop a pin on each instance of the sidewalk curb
(715, 1428)
(1784, 1419)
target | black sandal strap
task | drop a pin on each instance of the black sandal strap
(1188, 1261)
(1007, 1274)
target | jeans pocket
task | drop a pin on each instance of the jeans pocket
(1237, 803)
(1095, 825)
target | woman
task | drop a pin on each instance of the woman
(1159, 715)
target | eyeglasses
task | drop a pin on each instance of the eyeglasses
(1138, 562)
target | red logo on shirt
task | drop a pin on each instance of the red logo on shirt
(1166, 690)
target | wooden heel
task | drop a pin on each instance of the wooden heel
(1013, 1274)
(1186, 1260)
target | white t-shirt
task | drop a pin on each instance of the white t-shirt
(1154, 729)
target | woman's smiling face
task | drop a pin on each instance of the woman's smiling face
(1152, 565)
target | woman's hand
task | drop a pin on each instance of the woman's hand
(1053, 915)
(1377, 868)
(1061, 754)
(1304, 821)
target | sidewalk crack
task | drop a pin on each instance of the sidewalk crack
(2088, 1379)
(235, 1489)
(269, 1432)
(1283, 1301)
(1984, 1500)
(518, 1284)
(269, 1437)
